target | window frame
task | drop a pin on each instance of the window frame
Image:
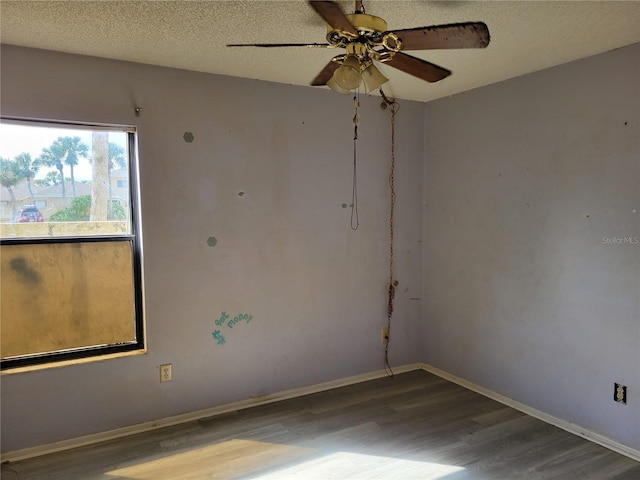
(51, 359)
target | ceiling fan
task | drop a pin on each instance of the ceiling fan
(367, 40)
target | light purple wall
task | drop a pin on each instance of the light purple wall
(285, 251)
(525, 182)
(521, 181)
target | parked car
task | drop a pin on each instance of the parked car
(30, 213)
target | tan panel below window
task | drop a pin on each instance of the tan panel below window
(65, 295)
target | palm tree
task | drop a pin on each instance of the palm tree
(73, 148)
(99, 175)
(9, 178)
(27, 168)
(53, 157)
(50, 179)
(117, 158)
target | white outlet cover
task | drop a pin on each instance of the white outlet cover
(165, 373)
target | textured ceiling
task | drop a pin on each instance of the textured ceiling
(525, 35)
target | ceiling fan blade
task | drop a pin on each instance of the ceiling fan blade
(274, 45)
(418, 67)
(333, 15)
(455, 35)
(326, 73)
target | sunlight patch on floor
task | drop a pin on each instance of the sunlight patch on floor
(231, 459)
(356, 466)
(272, 461)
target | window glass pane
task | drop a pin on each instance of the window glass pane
(70, 256)
(60, 296)
(58, 181)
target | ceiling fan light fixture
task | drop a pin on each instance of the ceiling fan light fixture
(331, 83)
(348, 75)
(373, 78)
(366, 39)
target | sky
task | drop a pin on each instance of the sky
(16, 139)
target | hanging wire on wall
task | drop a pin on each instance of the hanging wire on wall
(392, 283)
(355, 220)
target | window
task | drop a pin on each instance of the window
(70, 248)
(123, 184)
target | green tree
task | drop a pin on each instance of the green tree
(53, 157)
(9, 177)
(117, 159)
(73, 149)
(117, 212)
(27, 169)
(79, 210)
(50, 179)
(64, 151)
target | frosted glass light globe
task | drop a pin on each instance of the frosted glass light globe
(348, 75)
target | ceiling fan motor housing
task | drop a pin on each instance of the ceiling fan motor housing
(372, 38)
(364, 23)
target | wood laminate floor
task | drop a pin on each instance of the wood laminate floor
(412, 426)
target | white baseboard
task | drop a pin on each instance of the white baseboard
(545, 417)
(298, 392)
(188, 417)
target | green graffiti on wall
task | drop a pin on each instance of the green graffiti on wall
(218, 336)
(239, 318)
(224, 320)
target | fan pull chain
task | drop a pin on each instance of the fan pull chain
(355, 220)
(392, 283)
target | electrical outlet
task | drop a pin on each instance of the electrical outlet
(165, 373)
(384, 335)
(620, 393)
